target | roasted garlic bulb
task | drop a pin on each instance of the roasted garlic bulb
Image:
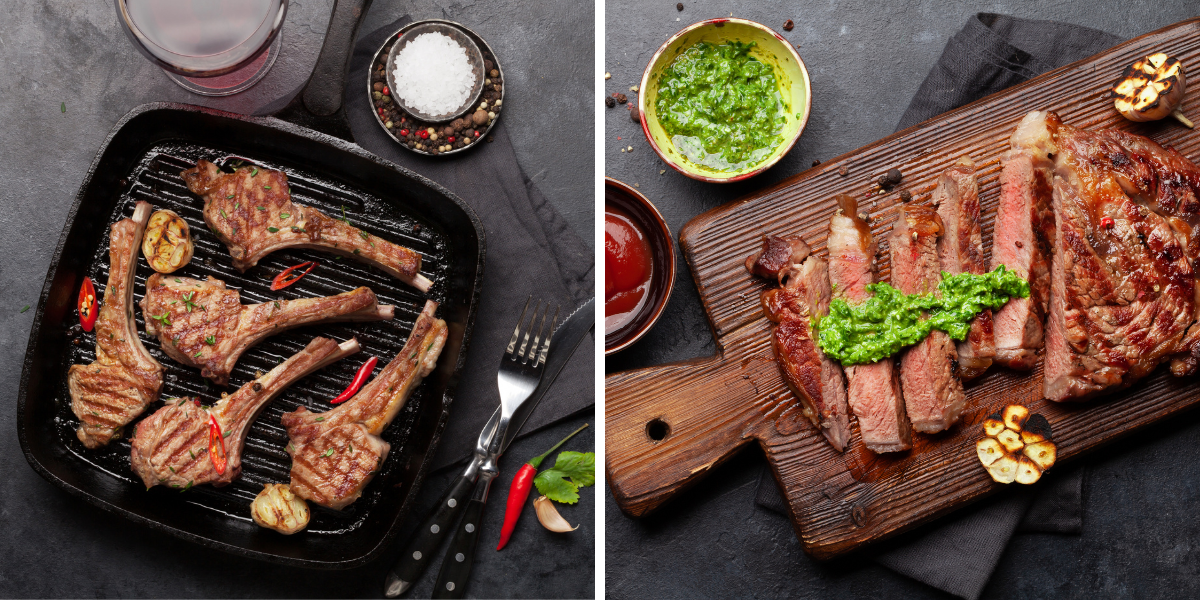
(1150, 89)
(167, 244)
(276, 507)
(1017, 445)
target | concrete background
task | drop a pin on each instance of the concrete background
(74, 52)
(866, 60)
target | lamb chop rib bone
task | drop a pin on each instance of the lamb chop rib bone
(243, 207)
(337, 452)
(124, 379)
(203, 324)
(170, 447)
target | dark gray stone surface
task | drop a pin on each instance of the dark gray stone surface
(866, 60)
(73, 52)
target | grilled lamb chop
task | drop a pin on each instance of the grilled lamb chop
(960, 250)
(1123, 292)
(933, 394)
(815, 379)
(251, 211)
(874, 389)
(1023, 238)
(337, 452)
(124, 379)
(203, 324)
(170, 447)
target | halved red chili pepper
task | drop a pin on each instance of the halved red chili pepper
(359, 379)
(281, 281)
(518, 492)
(88, 307)
(216, 445)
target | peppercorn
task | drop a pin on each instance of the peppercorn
(843, 171)
(378, 86)
(679, 6)
(634, 115)
(787, 25)
(494, 73)
(816, 162)
(905, 195)
(609, 102)
(883, 182)
(447, 132)
(480, 117)
(621, 99)
(894, 176)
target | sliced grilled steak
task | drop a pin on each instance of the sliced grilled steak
(933, 394)
(124, 379)
(203, 324)
(170, 447)
(337, 452)
(816, 380)
(1123, 292)
(874, 389)
(251, 211)
(960, 250)
(1023, 238)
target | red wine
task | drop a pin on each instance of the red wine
(202, 38)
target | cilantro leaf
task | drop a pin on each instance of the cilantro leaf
(571, 471)
(553, 484)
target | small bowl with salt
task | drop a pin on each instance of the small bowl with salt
(435, 72)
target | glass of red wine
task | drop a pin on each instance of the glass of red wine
(209, 47)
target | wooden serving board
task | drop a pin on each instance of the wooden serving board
(703, 411)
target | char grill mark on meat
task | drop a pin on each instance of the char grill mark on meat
(933, 394)
(960, 250)
(203, 324)
(873, 389)
(242, 207)
(1023, 238)
(124, 379)
(1123, 292)
(815, 379)
(335, 454)
(170, 447)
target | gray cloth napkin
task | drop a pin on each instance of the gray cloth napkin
(958, 554)
(531, 249)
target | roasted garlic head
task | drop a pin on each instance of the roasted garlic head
(167, 244)
(1016, 446)
(276, 507)
(1150, 89)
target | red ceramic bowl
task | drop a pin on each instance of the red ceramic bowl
(662, 255)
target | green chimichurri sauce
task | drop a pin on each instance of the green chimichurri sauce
(885, 323)
(720, 106)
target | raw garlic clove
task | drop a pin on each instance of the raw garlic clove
(549, 518)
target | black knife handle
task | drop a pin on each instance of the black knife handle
(456, 567)
(418, 553)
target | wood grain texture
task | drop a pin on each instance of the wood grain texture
(839, 502)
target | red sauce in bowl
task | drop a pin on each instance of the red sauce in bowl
(627, 268)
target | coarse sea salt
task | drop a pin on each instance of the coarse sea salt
(433, 74)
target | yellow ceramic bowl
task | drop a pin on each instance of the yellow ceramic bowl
(771, 49)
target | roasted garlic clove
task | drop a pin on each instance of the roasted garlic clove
(1043, 454)
(1151, 88)
(1015, 416)
(276, 507)
(1003, 469)
(1011, 440)
(989, 450)
(1037, 429)
(993, 425)
(549, 517)
(1027, 471)
(167, 243)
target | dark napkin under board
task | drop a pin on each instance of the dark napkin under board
(531, 249)
(957, 555)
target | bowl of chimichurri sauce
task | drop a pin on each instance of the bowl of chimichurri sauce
(724, 99)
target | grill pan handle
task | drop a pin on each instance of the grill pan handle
(319, 105)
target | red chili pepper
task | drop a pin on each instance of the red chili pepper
(518, 492)
(88, 309)
(359, 379)
(216, 445)
(1106, 222)
(281, 281)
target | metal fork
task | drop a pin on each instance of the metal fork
(520, 371)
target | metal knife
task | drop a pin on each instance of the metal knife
(418, 553)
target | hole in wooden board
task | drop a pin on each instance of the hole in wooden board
(658, 430)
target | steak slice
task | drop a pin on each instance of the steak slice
(335, 454)
(1123, 292)
(251, 211)
(170, 447)
(933, 394)
(960, 250)
(203, 324)
(1023, 238)
(124, 379)
(874, 389)
(813, 377)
